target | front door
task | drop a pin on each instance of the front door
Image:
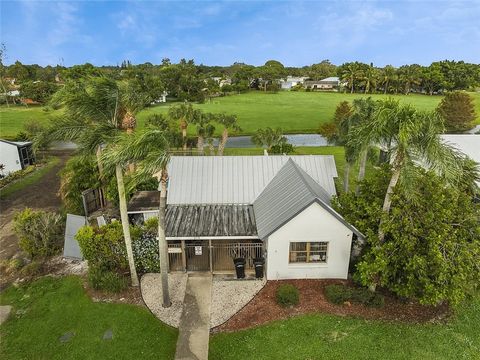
(197, 255)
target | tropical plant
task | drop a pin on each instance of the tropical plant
(204, 127)
(185, 114)
(268, 137)
(351, 72)
(229, 123)
(149, 150)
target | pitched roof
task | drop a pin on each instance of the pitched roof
(238, 179)
(144, 201)
(210, 220)
(288, 194)
(17, 143)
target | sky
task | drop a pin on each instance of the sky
(221, 33)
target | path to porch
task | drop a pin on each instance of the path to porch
(194, 329)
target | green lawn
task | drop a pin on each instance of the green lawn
(294, 112)
(13, 118)
(29, 179)
(51, 307)
(320, 336)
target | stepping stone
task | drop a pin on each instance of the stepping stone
(66, 337)
(5, 311)
(108, 335)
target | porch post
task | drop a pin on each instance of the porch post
(210, 250)
(184, 257)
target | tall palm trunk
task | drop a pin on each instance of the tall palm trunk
(361, 170)
(223, 142)
(125, 224)
(387, 202)
(351, 89)
(183, 125)
(98, 154)
(211, 147)
(346, 177)
(162, 241)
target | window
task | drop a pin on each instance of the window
(308, 252)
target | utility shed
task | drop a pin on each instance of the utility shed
(15, 156)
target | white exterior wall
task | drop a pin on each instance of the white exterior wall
(311, 225)
(9, 158)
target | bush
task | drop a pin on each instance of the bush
(287, 295)
(40, 233)
(104, 247)
(338, 294)
(145, 252)
(32, 269)
(109, 281)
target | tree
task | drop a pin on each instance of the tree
(149, 150)
(370, 76)
(350, 72)
(458, 111)
(185, 114)
(431, 250)
(331, 129)
(416, 139)
(387, 76)
(229, 123)
(410, 75)
(40, 91)
(270, 73)
(204, 127)
(268, 137)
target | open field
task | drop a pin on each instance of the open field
(294, 112)
(51, 307)
(320, 336)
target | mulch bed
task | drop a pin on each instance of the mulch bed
(130, 295)
(263, 307)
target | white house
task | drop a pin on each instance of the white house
(15, 155)
(330, 83)
(292, 81)
(275, 207)
(469, 144)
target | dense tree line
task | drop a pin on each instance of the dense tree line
(186, 80)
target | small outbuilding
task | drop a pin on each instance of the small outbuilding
(15, 155)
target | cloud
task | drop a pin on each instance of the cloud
(64, 25)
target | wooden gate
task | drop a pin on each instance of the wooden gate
(197, 255)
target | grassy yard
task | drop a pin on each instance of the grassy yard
(319, 336)
(29, 179)
(51, 307)
(294, 112)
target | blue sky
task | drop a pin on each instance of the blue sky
(220, 33)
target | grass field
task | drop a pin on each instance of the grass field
(28, 179)
(50, 307)
(294, 112)
(326, 337)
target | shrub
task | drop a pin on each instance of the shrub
(32, 269)
(458, 111)
(145, 252)
(338, 294)
(104, 247)
(287, 295)
(40, 233)
(109, 281)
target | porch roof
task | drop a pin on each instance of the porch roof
(210, 220)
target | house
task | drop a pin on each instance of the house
(329, 83)
(275, 207)
(221, 81)
(292, 81)
(161, 99)
(15, 155)
(469, 144)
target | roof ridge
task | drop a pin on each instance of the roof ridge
(299, 172)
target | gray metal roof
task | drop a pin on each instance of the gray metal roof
(144, 201)
(289, 193)
(210, 220)
(238, 179)
(17, 143)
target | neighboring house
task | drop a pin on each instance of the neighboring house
(330, 83)
(15, 155)
(276, 207)
(469, 144)
(161, 99)
(221, 81)
(292, 81)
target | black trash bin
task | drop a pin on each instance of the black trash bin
(259, 263)
(239, 267)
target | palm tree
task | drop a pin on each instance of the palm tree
(363, 111)
(209, 133)
(415, 139)
(149, 150)
(203, 127)
(185, 114)
(388, 75)
(267, 137)
(229, 122)
(351, 73)
(370, 77)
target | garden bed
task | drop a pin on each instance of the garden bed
(263, 308)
